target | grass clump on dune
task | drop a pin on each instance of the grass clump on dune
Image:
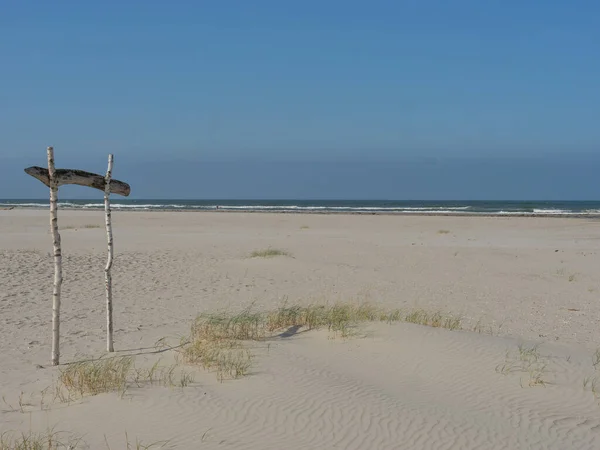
(529, 361)
(250, 325)
(341, 317)
(216, 342)
(222, 341)
(116, 374)
(96, 377)
(246, 325)
(268, 253)
(229, 358)
(49, 440)
(435, 320)
(53, 440)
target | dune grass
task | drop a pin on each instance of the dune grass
(96, 377)
(592, 382)
(55, 440)
(114, 374)
(223, 341)
(255, 325)
(229, 358)
(436, 319)
(87, 226)
(269, 253)
(596, 358)
(527, 360)
(48, 440)
(138, 445)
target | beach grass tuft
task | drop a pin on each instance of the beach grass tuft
(269, 253)
(115, 374)
(245, 325)
(96, 377)
(593, 384)
(435, 319)
(48, 440)
(55, 440)
(526, 360)
(229, 358)
(138, 445)
(596, 358)
(87, 226)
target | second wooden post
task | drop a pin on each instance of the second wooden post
(109, 262)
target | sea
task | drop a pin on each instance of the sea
(458, 207)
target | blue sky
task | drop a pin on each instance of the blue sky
(258, 82)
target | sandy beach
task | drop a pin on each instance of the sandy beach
(514, 282)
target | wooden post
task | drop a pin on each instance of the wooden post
(107, 274)
(53, 182)
(54, 178)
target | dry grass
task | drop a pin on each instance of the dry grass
(222, 341)
(527, 360)
(87, 226)
(593, 382)
(167, 376)
(138, 445)
(443, 231)
(215, 342)
(304, 227)
(436, 320)
(53, 440)
(49, 440)
(269, 253)
(114, 375)
(229, 358)
(246, 325)
(596, 358)
(478, 327)
(252, 325)
(96, 377)
(20, 402)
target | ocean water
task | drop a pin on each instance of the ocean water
(500, 208)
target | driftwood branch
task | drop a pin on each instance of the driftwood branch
(109, 262)
(53, 184)
(80, 177)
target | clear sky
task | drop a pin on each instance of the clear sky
(251, 82)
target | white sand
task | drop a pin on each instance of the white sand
(527, 280)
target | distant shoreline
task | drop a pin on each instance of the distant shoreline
(327, 212)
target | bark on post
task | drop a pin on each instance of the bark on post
(53, 183)
(107, 274)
